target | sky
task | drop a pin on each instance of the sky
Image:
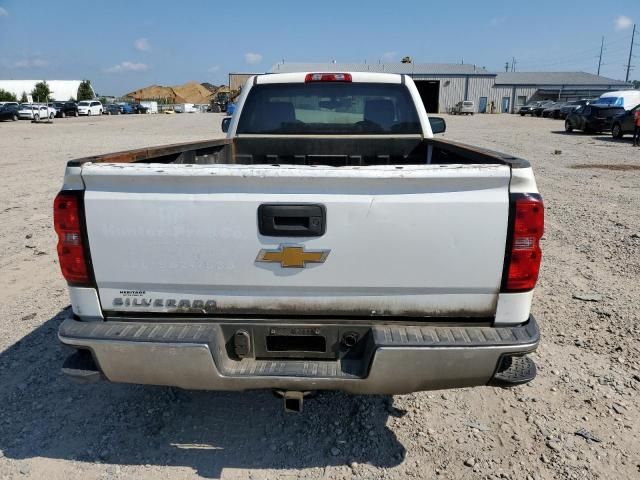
(123, 45)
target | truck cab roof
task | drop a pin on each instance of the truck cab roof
(300, 77)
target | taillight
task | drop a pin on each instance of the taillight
(327, 77)
(524, 254)
(68, 226)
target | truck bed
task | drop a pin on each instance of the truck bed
(336, 151)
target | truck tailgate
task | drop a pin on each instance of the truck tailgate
(425, 240)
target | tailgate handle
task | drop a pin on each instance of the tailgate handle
(289, 220)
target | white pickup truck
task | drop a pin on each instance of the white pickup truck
(329, 242)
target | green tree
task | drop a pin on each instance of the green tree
(85, 92)
(41, 92)
(636, 84)
(7, 96)
(103, 100)
(23, 98)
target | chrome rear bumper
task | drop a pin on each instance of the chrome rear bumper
(402, 358)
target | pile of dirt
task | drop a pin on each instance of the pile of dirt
(191, 92)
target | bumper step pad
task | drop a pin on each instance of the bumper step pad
(514, 371)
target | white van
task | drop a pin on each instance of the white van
(463, 108)
(628, 99)
(152, 107)
(185, 108)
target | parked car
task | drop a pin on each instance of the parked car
(9, 112)
(126, 108)
(552, 110)
(65, 109)
(373, 281)
(537, 111)
(592, 118)
(112, 109)
(627, 99)
(139, 108)
(624, 123)
(90, 107)
(5, 104)
(465, 107)
(571, 106)
(528, 109)
(36, 112)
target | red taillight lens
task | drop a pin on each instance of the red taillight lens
(66, 221)
(327, 77)
(523, 259)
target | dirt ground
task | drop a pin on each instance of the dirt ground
(587, 303)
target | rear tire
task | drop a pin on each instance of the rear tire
(75, 114)
(616, 131)
(62, 115)
(567, 126)
(14, 118)
(36, 118)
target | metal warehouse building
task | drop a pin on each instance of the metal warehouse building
(442, 85)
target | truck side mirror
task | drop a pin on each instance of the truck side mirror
(226, 121)
(438, 125)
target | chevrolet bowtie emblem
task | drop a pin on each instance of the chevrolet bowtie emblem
(292, 256)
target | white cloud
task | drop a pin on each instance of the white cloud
(31, 63)
(3, 12)
(252, 58)
(389, 56)
(142, 45)
(127, 67)
(215, 68)
(622, 22)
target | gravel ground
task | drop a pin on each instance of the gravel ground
(587, 304)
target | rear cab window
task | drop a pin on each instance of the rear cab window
(329, 108)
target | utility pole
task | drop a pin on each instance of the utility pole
(506, 66)
(600, 59)
(513, 64)
(630, 52)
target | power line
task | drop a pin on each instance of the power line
(600, 59)
(566, 60)
(633, 35)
